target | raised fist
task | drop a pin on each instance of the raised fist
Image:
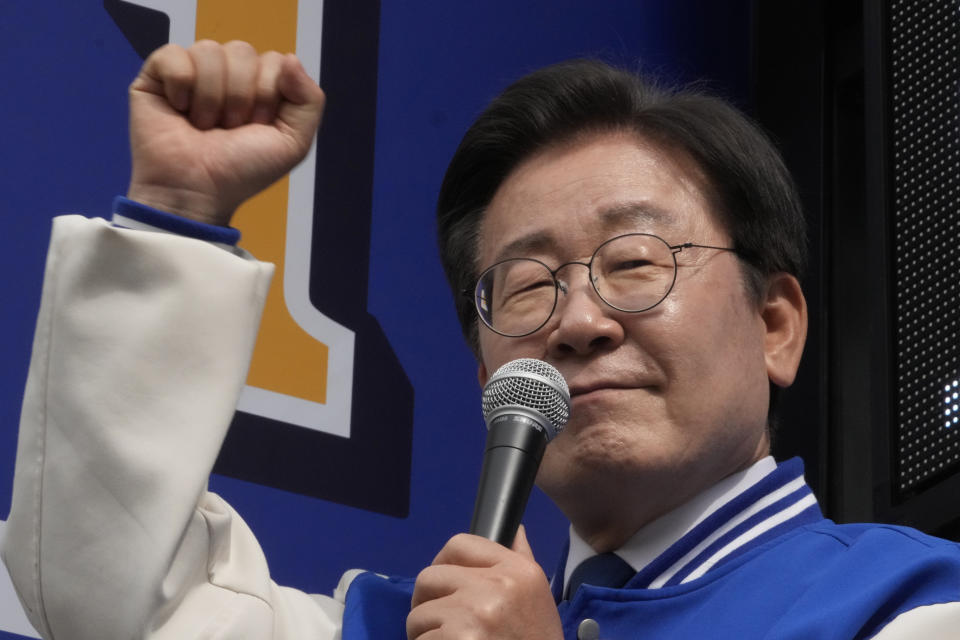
(212, 125)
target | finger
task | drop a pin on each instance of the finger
(208, 90)
(424, 621)
(267, 98)
(302, 106)
(468, 550)
(438, 581)
(521, 545)
(242, 66)
(459, 618)
(168, 72)
(296, 85)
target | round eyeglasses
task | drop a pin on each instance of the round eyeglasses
(634, 272)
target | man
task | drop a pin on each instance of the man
(645, 243)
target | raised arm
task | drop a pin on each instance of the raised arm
(141, 349)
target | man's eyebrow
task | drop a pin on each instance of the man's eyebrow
(639, 216)
(642, 216)
(530, 243)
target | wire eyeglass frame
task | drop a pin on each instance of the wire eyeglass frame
(560, 285)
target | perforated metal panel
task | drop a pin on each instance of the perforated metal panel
(924, 63)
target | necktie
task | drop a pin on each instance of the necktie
(602, 570)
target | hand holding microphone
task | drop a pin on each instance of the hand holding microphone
(493, 588)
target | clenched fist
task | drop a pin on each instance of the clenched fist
(212, 125)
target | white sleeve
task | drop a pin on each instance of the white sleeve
(932, 622)
(142, 346)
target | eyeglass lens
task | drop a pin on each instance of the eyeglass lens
(630, 273)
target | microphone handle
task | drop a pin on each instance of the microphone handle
(515, 445)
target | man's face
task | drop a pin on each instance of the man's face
(665, 402)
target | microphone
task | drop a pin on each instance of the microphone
(526, 403)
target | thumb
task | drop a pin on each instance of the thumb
(520, 543)
(302, 102)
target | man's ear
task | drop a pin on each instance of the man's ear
(784, 314)
(482, 376)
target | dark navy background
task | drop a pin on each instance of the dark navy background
(65, 66)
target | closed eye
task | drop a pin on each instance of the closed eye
(530, 287)
(631, 264)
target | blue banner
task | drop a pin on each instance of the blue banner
(377, 471)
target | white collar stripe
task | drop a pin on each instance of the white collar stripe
(752, 534)
(763, 503)
(738, 515)
(737, 533)
(784, 474)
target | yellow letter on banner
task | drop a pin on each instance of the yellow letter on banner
(302, 368)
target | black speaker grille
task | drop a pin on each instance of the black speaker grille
(924, 67)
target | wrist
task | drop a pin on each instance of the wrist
(193, 205)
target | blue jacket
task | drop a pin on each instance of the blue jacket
(801, 577)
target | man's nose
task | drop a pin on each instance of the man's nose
(583, 323)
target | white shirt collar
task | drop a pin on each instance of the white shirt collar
(656, 537)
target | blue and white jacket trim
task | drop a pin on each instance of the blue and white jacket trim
(776, 503)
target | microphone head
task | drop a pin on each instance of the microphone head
(532, 386)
